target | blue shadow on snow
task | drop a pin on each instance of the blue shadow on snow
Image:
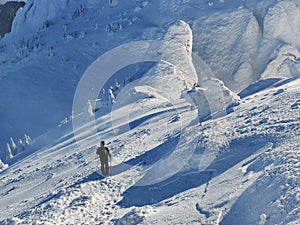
(190, 177)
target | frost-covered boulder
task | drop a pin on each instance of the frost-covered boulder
(2, 165)
(176, 72)
(285, 65)
(182, 75)
(212, 99)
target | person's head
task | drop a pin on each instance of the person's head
(102, 143)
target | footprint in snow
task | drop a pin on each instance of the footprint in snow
(295, 105)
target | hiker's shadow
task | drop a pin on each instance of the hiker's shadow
(145, 160)
(151, 194)
(148, 158)
(94, 176)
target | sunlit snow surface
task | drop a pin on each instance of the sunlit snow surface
(206, 133)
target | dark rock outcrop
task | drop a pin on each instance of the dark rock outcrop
(7, 14)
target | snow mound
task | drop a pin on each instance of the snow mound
(212, 99)
(176, 66)
(2, 166)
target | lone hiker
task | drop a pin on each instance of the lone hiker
(103, 153)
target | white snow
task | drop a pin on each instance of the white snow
(198, 102)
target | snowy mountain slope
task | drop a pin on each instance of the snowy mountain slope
(255, 175)
(255, 154)
(182, 153)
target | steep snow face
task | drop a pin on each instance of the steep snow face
(282, 22)
(252, 176)
(240, 43)
(231, 46)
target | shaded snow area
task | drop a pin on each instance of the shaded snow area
(197, 101)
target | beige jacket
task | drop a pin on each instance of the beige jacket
(103, 152)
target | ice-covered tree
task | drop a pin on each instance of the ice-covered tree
(13, 146)
(9, 155)
(117, 85)
(111, 94)
(27, 139)
(103, 91)
(113, 2)
(21, 146)
(90, 108)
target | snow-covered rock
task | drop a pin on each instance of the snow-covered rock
(176, 66)
(36, 13)
(285, 65)
(2, 166)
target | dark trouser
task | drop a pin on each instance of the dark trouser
(104, 166)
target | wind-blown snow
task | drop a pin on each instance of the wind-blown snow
(209, 134)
